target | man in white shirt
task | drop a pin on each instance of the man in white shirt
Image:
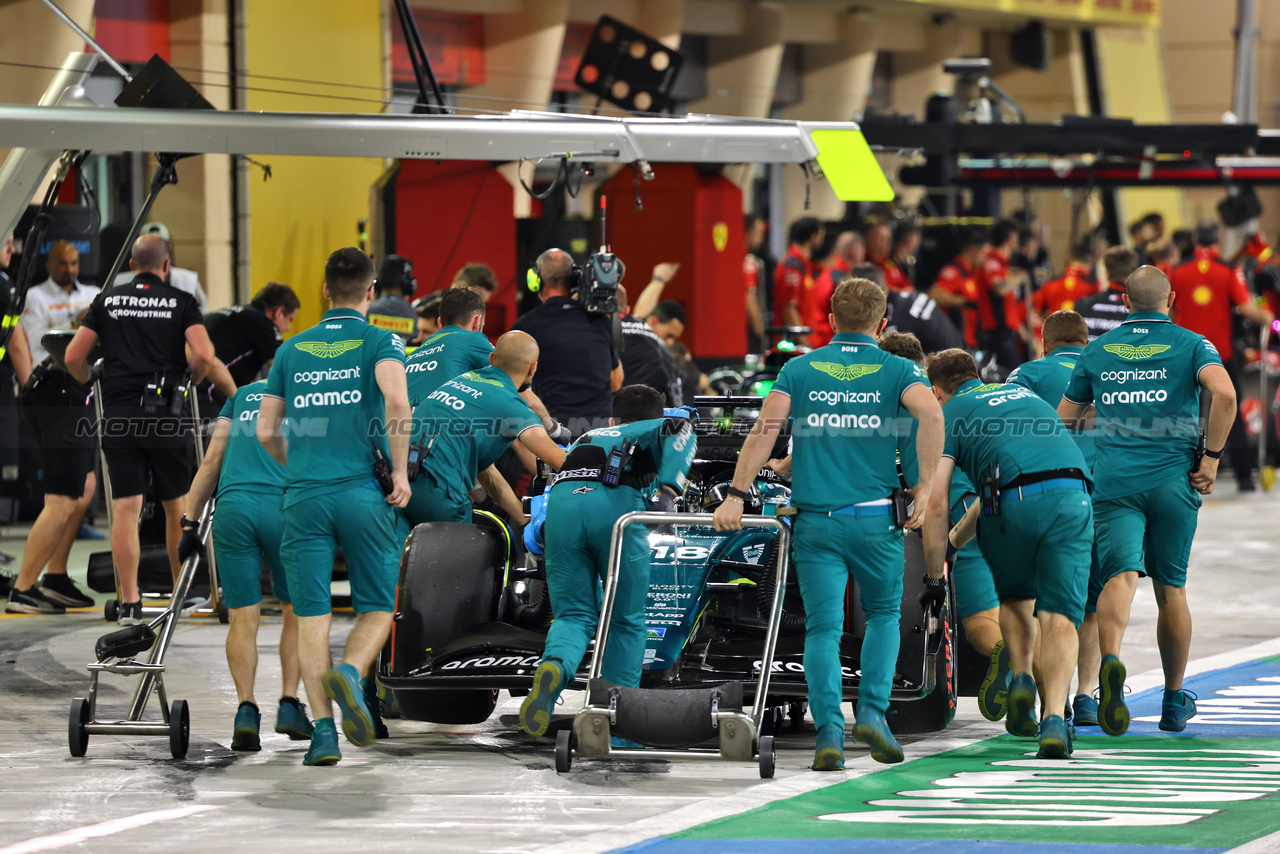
(179, 277)
(59, 301)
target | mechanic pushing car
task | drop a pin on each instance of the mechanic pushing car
(447, 460)
(1065, 336)
(844, 401)
(1144, 378)
(458, 347)
(246, 530)
(606, 474)
(335, 383)
(1035, 530)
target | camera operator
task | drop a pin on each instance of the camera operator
(145, 329)
(390, 309)
(646, 358)
(579, 368)
(55, 404)
(245, 339)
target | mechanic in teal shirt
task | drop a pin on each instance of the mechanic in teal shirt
(1065, 336)
(335, 401)
(465, 425)
(246, 531)
(845, 401)
(458, 347)
(1035, 532)
(581, 511)
(1144, 379)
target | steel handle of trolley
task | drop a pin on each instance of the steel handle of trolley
(215, 591)
(780, 589)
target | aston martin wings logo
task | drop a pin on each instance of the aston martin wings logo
(845, 373)
(1130, 352)
(328, 349)
(472, 376)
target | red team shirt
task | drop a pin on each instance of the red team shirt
(995, 267)
(1061, 293)
(960, 279)
(1207, 289)
(894, 276)
(793, 281)
(819, 307)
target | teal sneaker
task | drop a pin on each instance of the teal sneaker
(342, 685)
(1178, 708)
(1055, 738)
(1021, 720)
(993, 696)
(244, 734)
(324, 744)
(370, 686)
(535, 711)
(291, 720)
(1113, 715)
(872, 729)
(829, 755)
(1084, 710)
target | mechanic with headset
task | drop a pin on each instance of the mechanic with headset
(461, 428)
(395, 286)
(1035, 530)
(844, 401)
(246, 529)
(607, 474)
(976, 599)
(154, 346)
(1145, 378)
(345, 451)
(1065, 337)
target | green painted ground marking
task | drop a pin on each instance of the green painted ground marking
(1211, 792)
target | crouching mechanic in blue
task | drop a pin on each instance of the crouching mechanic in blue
(246, 531)
(606, 475)
(338, 390)
(845, 401)
(1035, 530)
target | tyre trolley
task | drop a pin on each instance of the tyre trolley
(673, 720)
(117, 652)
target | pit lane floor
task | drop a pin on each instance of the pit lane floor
(489, 788)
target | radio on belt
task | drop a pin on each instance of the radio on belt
(619, 458)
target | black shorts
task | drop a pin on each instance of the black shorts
(67, 436)
(164, 472)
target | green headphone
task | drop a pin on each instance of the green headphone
(533, 280)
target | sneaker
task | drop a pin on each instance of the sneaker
(993, 696)
(829, 755)
(535, 711)
(342, 684)
(88, 532)
(1113, 715)
(31, 601)
(873, 730)
(1021, 720)
(1178, 708)
(324, 744)
(61, 589)
(1084, 710)
(291, 720)
(244, 735)
(370, 687)
(131, 614)
(1055, 738)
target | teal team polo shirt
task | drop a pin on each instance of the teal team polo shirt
(468, 422)
(333, 407)
(1143, 377)
(846, 406)
(449, 353)
(1009, 426)
(1048, 378)
(246, 465)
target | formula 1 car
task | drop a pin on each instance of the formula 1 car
(470, 623)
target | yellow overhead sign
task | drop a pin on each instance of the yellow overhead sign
(1138, 13)
(850, 167)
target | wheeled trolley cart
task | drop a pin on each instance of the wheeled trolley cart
(117, 653)
(673, 720)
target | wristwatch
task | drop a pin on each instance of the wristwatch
(739, 494)
(935, 582)
(188, 524)
(1213, 455)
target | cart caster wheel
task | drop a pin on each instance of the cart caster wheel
(224, 616)
(111, 610)
(797, 712)
(179, 729)
(564, 751)
(77, 735)
(768, 759)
